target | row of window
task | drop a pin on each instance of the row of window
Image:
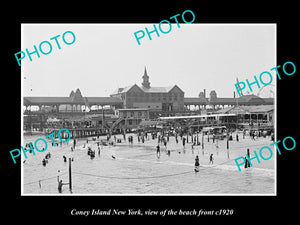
(156, 95)
(133, 114)
(153, 99)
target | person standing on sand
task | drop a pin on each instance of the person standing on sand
(158, 151)
(165, 143)
(60, 184)
(211, 159)
(183, 142)
(197, 164)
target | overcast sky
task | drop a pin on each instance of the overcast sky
(105, 57)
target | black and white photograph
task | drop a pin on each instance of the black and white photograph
(149, 113)
(171, 109)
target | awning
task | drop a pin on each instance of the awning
(51, 120)
(148, 123)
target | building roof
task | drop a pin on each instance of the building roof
(46, 100)
(247, 98)
(134, 109)
(94, 100)
(258, 108)
(74, 98)
(247, 109)
(145, 89)
(244, 100)
(157, 89)
(269, 100)
(122, 90)
(70, 100)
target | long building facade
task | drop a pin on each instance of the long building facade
(151, 100)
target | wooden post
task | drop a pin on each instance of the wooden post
(70, 176)
(227, 146)
(227, 141)
(248, 153)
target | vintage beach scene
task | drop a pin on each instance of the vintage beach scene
(146, 132)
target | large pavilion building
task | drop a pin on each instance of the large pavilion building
(165, 99)
(134, 103)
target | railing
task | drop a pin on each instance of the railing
(38, 112)
(116, 123)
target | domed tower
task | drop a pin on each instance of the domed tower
(77, 96)
(202, 96)
(213, 96)
(72, 94)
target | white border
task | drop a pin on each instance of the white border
(205, 24)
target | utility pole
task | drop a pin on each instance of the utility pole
(227, 141)
(227, 145)
(70, 176)
(202, 140)
(202, 143)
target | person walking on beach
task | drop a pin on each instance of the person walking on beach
(253, 135)
(60, 184)
(197, 164)
(99, 151)
(158, 151)
(44, 162)
(211, 159)
(183, 142)
(165, 143)
(247, 161)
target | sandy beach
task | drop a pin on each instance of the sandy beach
(136, 169)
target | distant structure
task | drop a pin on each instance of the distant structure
(215, 102)
(213, 96)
